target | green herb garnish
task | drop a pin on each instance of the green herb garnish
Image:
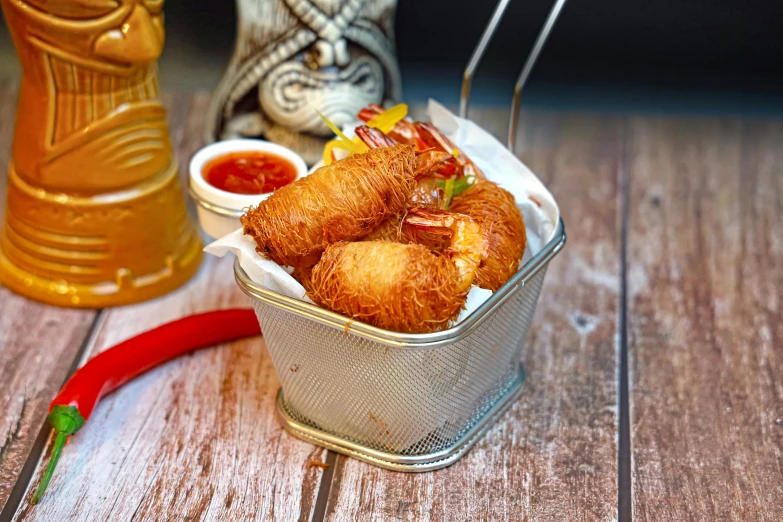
(452, 187)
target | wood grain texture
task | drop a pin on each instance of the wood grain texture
(196, 439)
(553, 456)
(706, 302)
(38, 343)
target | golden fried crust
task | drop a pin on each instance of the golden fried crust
(404, 288)
(304, 276)
(502, 224)
(340, 202)
(390, 230)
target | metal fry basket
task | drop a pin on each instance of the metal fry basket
(406, 402)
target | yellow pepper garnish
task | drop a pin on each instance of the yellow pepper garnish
(385, 122)
(341, 142)
(336, 130)
(329, 149)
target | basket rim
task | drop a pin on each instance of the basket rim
(408, 340)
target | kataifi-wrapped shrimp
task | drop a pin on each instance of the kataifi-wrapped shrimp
(339, 202)
(402, 287)
(428, 165)
(503, 228)
(494, 207)
(425, 194)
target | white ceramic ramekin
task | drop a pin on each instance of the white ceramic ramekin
(218, 210)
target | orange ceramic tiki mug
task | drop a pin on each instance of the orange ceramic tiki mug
(95, 215)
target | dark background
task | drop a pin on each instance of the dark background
(657, 55)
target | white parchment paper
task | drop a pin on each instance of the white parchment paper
(538, 207)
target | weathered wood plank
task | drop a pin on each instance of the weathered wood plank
(706, 274)
(38, 344)
(196, 438)
(553, 456)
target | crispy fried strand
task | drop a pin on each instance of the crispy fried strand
(503, 227)
(340, 202)
(390, 230)
(404, 288)
(304, 276)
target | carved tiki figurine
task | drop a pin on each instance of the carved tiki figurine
(296, 57)
(95, 214)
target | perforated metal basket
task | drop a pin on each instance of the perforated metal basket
(412, 402)
(407, 402)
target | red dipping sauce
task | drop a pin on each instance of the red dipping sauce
(249, 172)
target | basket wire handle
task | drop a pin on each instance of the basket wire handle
(478, 53)
(523, 76)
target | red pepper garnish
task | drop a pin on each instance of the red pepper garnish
(114, 367)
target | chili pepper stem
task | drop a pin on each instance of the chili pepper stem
(66, 420)
(59, 442)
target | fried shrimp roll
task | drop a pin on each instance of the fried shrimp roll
(402, 287)
(339, 202)
(503, 228)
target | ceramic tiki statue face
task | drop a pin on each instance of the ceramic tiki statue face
(95, 215)
(295, 58)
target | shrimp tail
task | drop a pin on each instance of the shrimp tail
(504, 230)
(429, 220)
(374, 138)
(467, 248)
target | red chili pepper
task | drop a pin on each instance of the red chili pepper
(114, 367)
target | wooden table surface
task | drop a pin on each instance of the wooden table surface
(655, 362)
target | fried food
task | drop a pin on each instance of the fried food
(402, 287)
(405, 288)
(428, 162)
(367, 235)
(390, 230)
(468, 248)
(503, 227)
(304, 276)
(433, 137)
(424, 135)
(343, 201)
(397, 230)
